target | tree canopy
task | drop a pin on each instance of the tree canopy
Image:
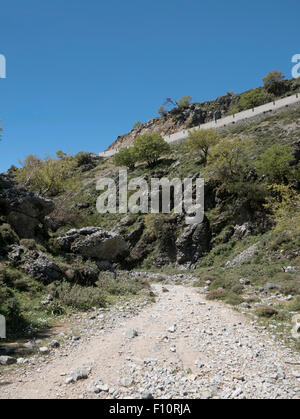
(201, 141)
(126, 157)
(150, 147)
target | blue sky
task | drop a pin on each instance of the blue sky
(80, 73)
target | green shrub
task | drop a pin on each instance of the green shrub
(230, 283)
(266, 311)
(208, 277)
(218, 294)
(121, 286)
(49, 177)
(55, 309)
(229, 159)
(184, 101)
(7, 236)
(21, 284)
(150, 147)
(253, 98)
(234, 299)
(83, 157)
(273, 82)
(285, 207)
(200, 141)
(9, 276)
(275, 163)
(127, 156)
(78, 297)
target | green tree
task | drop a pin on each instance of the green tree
(184, 101)
(273, 82)
(285, 206)
(275, 163)
(229, 159)
(49, 177)
(150, 147)
(201, 141)
(84, 158)
(253, 98)
(126, 157)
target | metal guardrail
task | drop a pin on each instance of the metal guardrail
(180, 136)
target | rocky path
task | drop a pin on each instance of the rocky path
(182, 346)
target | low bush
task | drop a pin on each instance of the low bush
(121, 285)
(217, 294)
(234, 299)
(266, 311)
(78, 297)
(7, 236)
(82, 158)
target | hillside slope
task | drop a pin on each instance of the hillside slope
(47, 271)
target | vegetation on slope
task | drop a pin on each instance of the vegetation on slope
(252, 198)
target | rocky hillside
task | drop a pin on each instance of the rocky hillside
(58, 254)
(180, 118)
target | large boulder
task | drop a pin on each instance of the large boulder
(24, 211)
(43, 269)
(35, 264)
(193, 243)
(94, 243)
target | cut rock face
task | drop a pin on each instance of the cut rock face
(93, 242)
(194, 242)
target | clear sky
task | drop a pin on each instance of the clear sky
(80, 73)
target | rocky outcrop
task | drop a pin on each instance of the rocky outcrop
(178, 119)
(35, 264)
(41, 267)
(166, 251)
(24, 211)
(193, 243)
(143, 248)
(242, 257)
(135, 234)
(181, 118)
(94, 243)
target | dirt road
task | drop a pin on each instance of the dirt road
(185, 347)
